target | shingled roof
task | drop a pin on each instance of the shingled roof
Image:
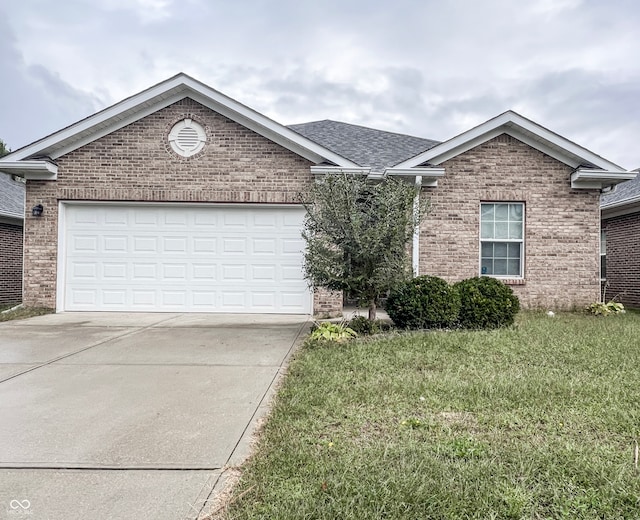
(11, 197)
(628, 190)
(362, 145)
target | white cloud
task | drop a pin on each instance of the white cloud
(424, 67)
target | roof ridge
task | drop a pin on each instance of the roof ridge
(366, 128)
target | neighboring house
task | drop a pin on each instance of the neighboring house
(182, 199)
(11, 222)
(620, 249)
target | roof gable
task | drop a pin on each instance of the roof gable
(520, 128)
(160, 96)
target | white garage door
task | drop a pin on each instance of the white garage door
(183, 258)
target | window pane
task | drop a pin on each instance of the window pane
(603, 242)
(487, 249)
(487, 230)
(486, 267)
(501, 230)
(515, 212)
(500, 267)
(514, 250)
(500, 250)
(502, 212)
(513, 267)
(487, 211)
(515, 229)
(603, 266)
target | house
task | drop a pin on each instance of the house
(180, 198)
(620, 249)
(11, 223)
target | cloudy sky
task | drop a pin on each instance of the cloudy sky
(423, 67)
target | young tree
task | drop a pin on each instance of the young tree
(4, 149)
(357, 234)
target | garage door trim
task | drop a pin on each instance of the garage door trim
(65, 205)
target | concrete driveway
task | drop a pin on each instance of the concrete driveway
(131, 416)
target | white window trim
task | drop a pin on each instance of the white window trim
(603, 232)
(517, 241)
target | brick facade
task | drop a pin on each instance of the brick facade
(136, 163)
(561, 224)
(10, 263)
(237, 165)
(623, 259)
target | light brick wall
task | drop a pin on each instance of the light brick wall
(136, 163)
(327, 304)
(10, 264)
(562, 230)
(623, 259)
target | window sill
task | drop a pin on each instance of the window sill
(513, 281)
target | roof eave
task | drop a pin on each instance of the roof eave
(620, 207)
(8, 218)
(428, 177)
(31, 169)
(590, 178)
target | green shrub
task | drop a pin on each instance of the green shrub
(604, 309)
(326, 332)
(486, 303)
(425, 302)
(363, 326)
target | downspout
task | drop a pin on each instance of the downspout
(415, 253)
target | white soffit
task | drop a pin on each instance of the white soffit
(588, 178)
(33, 169)
(428, 176)
(334, 170)
(160, 96)
(520, 128)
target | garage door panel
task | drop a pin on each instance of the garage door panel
(185, 258)
(264, 246)
(84, 244)
(84, 296)
(114, 297)
(175, 244)
(114, 244)
(116, 219)
(145, 244)
(233, 273)
(146, 216)
(114, 271)
(206, 245)
(234, 245)
(85, 270)
(203, 272)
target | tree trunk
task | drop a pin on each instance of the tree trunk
(372, 310)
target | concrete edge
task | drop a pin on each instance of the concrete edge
(245, 448)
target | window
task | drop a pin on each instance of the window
(502, 239)
(603, 254)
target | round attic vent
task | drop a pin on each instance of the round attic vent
(187, 137)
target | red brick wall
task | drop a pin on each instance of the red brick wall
(136, 163)
(623, 259)
(10, 264)
(562, 230)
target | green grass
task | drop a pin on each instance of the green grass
(535, 421)
(23, 313)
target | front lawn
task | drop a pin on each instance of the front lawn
(535, 421)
